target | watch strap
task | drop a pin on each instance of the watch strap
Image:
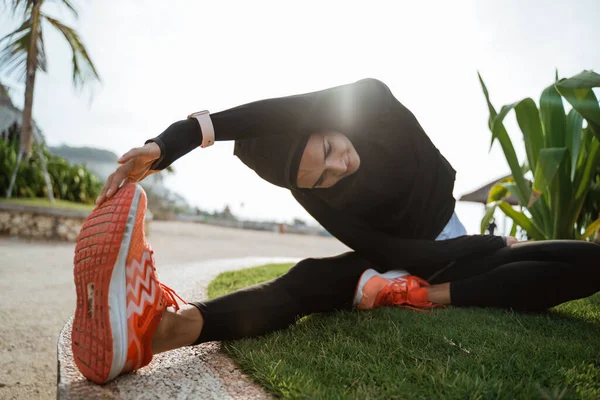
(206, 125)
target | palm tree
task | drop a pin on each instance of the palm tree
(25, 54)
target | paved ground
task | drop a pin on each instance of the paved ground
(37, 294)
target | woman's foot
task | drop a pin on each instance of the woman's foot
(394, 288)
(120, 302)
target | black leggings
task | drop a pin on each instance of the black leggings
(528, 277)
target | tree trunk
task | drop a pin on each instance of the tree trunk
(49, 189)
(27, 122)
(14, 175)
(32, 64)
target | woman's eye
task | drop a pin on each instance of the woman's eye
(328, 150)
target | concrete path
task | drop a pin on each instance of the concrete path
(38, 297)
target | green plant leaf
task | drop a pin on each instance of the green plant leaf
(594, 193)
(552, 111)
(488, 216)
(574, 134)
(510, 186)
(522, 191)
(513, 229)
(13, 59)
(83, 67)
(500, 133)
(521, 219)
(528, 118)
(491, 108)
(583, 80)
(500, 190)
(578, 92)
(548, 162)
(591, 229)
(497, 192)
(584, 175)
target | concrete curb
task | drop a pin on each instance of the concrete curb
(200, 372)
(56, 212)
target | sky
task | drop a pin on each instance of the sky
(160, 61)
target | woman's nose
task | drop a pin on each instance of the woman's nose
(338, 166)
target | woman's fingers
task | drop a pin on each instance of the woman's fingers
(135, 166)
(131, 154)
(125, 182)
(102, 196)
(114, 182)
(120, 174)
(149, 151)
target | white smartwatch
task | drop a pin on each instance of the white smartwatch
(206, 125)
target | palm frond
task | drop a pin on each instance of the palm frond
(83, 68)
(13, 58)
(42, 63)
(70, 6)
(24, 26)
(3, 90)
(19, 5)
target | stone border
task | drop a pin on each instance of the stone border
(43, 222)
(201, 371)
(57, 212)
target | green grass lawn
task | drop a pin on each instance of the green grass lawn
(395, 353)
(44, 202)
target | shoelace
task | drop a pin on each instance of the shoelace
(397, 294)
(171, 296)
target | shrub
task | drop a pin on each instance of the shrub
(563, 155)
(72, 182)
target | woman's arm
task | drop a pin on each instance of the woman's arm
(347, 108)
(343, 108)
(419, 257)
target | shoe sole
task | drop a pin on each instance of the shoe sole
(368, 274)
(99, 335)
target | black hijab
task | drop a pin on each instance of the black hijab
(399, 164)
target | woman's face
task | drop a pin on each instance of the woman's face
(328, 158)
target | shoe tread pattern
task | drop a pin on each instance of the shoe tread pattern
(96, 253)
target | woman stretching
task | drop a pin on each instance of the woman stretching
(361, 165)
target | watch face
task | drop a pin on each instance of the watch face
(198, 113)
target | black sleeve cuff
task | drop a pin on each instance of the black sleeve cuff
(176, 141)
(161, 145)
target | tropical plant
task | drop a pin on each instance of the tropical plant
(71, 182)
(24, 54)
(562, 157)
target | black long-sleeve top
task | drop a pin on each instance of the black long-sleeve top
(401, 197)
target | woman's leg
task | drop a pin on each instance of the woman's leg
(527, 286)
(525, 276)
(528, 276)
(565, 251)
(177, 328)
(312, 285)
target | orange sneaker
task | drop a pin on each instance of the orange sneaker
(394, 288)
(119, 300)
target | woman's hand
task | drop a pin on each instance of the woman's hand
(135, 166)
(510, 241)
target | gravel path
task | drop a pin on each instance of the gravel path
(37, 294)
